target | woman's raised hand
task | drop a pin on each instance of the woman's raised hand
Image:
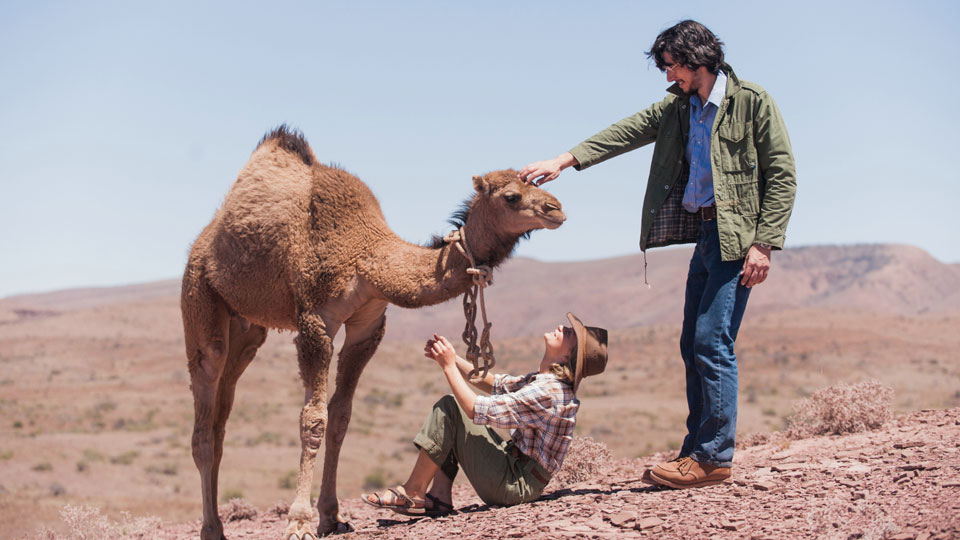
(440, 349)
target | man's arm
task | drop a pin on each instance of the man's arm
(779, 176)
(628, 134)
(541, 172)
(778, 170)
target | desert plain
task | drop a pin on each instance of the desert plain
(95, 406)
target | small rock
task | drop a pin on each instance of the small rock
(859, 469)
(787, 467)
(911, 467)
(623, 519)
(764, 486)
(729, 526)
(648, 523)
(901, 536)
(901, 446)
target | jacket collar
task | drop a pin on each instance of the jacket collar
(733, 83)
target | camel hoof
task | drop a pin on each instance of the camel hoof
(341, 528)
(212, 533)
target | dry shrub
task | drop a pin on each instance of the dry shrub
(586, 459)
(756, 439)
(87, 523)
(237, 510)
(280, 509)
(842, 408)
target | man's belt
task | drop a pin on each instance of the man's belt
(515, 452)
(708, 213)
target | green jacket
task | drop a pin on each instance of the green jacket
(754, 176)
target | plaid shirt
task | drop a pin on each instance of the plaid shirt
(539, 409)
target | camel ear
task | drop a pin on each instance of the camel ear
(481, 185)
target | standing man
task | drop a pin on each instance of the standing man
(722, 176)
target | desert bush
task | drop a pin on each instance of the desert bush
(287, 481)
(42, 467)
(585, 460)
(280, 509)
(230, 494)
(125, 458)
(92, 455)
(842, 408)
(265, 437)
(375, 480)
(237, 509)
(169, 469)
(87, 523)
(6, 455)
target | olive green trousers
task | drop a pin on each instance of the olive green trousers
(498, 475)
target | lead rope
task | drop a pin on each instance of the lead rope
(482, 277)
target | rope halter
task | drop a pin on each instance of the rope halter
(482, 277)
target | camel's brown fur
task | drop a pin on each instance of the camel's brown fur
(302, 246)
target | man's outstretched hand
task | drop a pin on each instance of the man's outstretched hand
(541, 172)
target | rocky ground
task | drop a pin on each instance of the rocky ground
(899, 482)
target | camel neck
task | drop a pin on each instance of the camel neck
(413, 276)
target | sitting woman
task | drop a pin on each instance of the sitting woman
(540, 408)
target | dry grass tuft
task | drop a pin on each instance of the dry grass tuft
(87, 523)
(842, 408)
(585, 460)
(280, 509)
(237, 510)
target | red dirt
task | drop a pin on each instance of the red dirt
(899, 482)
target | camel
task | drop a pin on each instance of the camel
(302, 246)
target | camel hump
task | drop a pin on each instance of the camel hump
(291, 140)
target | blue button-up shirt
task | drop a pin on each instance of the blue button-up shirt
(699, 190)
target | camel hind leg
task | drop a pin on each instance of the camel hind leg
(218, 347)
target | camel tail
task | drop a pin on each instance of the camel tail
(291, 140)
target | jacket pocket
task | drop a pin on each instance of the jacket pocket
(737, 154)
(746, 199)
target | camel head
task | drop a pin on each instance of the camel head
(512, 207)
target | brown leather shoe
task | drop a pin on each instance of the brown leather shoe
(687, 473)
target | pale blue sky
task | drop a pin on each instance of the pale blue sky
(123, 124)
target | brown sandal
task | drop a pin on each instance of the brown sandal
(401, 503)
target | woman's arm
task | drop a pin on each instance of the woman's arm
(442, 351)
(465, 367)
(484, 385)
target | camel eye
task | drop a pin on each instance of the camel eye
(512, 198)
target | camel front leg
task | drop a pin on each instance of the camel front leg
(314, 351)
(361, 342)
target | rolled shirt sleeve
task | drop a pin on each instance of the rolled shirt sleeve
(523, 408)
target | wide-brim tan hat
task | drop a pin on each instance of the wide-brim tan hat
(591, 350)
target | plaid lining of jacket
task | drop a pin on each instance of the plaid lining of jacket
(672, 224)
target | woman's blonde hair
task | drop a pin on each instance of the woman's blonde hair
(565, 371)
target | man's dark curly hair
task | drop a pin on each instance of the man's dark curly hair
(690, 44)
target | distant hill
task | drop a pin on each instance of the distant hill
(530, 296)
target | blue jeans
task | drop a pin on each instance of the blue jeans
(714, 306)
